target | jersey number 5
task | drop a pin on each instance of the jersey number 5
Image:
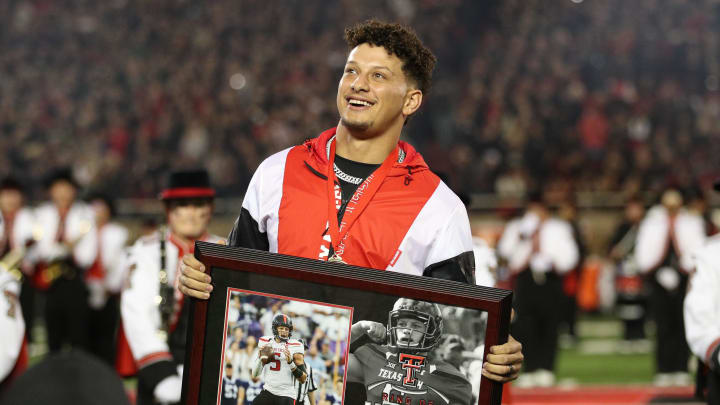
(276, 362)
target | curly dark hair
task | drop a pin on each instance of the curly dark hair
(400, 40)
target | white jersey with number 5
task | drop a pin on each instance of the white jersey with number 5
(278, 378)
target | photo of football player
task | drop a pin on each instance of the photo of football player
(399, 364)
(277, 344)
(279, 363)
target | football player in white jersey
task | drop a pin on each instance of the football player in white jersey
(281, 361)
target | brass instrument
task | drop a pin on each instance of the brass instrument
(11, 261)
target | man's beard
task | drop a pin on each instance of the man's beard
(355, 126)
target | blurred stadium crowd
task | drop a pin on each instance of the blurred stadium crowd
(609, 95)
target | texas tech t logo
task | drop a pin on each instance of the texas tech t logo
(411, 364)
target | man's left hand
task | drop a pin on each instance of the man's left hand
(286, 352)
(504, 362)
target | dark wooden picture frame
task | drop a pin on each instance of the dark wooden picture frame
(334, 283)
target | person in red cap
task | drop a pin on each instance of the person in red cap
(155, 328)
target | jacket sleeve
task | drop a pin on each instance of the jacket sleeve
(690, 237)
(23, 229)
(246, 233)
(141, 320)
(23, 236)
(651, 242)
(702, 306)
(513, 248)
(84, 231)
(561, 246)
(250, 230)
(114, 258)
(451, 254)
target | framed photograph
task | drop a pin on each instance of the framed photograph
(358, 335)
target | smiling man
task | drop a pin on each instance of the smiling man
(357, 194)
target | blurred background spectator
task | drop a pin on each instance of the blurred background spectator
(631, 293)
(667, 240)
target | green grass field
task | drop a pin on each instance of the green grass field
(583, 368)
(598, 356)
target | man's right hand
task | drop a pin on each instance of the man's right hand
(375, 330)
(193, 280)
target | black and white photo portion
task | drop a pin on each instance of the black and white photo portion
(279, 350)
(424, 354)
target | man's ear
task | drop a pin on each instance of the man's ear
(413, 100)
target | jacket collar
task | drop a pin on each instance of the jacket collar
(409, 160)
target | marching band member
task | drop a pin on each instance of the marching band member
(539, 250)
(153, 312)
(667, 237)
(66, 247)
(13, 356)
(17, 237)
(105, 278)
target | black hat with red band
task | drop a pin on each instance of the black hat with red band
(188, 184)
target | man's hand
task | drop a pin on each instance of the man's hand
(504, 362)
(286, 352)
(375, 330)
(193, 281)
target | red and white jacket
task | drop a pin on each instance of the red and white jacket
(141, 318)
(528, 243)
(414, 224)
(654, 238)
(79, 228)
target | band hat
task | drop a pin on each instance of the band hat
(188, 184)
